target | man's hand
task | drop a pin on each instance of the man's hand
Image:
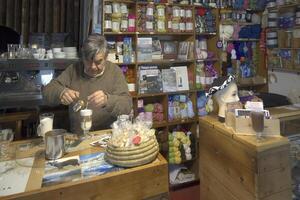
(97, 99)
(69, 96)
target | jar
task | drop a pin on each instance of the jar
(160, 10)
(161, 25)
(175, 25)
(176, 11)
(108, 9)
(149, 11)
(124, 24)
(116, 25)
(149, 26)
(124, 9)
(116, 8)
(182, 26)
(189, 26)
(188, 13)
(131, 23)
(86, 120)
(108, 25)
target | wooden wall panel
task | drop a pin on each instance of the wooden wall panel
(33, 16)
(62, 15)
(10, 13)
(76, 22)
(41, 16)
(2, 12)
(56, 15)
(17, 20)
(41, 11)
(25, 20)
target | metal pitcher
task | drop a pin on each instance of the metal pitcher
(55, 144)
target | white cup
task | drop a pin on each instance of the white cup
(46, 124)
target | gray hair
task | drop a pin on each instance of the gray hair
(93, 45)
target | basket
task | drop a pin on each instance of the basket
(132, 156)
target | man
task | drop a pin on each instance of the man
(98, 82)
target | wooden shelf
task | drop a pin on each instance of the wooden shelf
(172, 61)
(148, 95)
(148, 33)
(237, 22)
(184, 185)
(245, 40)
(182, 121)
(119, 33)
(163, 93)
(280, 28)
(203, 6)
(125, 63)
(284, 6)
(166, 4)
(165, 33)
(206, 34)
(207, 60)
(285, 70)
(120, 1)
(160, 124)
(289, 48)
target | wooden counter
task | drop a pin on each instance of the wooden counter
(238, 168)
(143, 182)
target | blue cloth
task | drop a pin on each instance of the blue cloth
(250, 31)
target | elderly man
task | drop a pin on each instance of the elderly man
(97, 81)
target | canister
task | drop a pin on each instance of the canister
(55, 144)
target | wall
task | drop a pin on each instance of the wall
(284, 83)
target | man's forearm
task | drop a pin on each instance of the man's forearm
(52, 93)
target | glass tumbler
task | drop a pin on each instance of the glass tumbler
(6, 136)
(257, 119)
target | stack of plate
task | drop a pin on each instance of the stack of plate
(57, 53)
(71, 52)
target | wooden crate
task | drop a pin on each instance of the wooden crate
(236, 167)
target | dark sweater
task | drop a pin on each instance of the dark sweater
(112, 82)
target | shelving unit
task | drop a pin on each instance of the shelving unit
(167, 125)
(285, 56)
(258, 79)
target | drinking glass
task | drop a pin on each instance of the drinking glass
(257, 119)
(46, 124)
(86, 121)
(6, 136)
(11, 51)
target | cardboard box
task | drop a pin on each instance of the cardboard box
(243, 125)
